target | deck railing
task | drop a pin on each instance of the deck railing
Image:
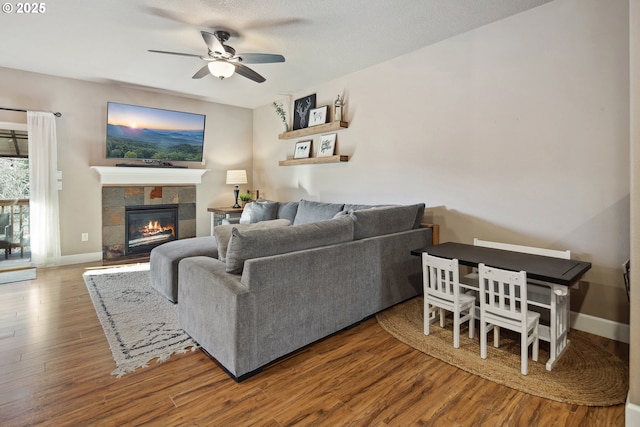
(19, 218)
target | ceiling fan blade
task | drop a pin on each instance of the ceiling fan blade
(260, 58)
(201, 72)
(249, 73)
(212, 42)
(173, 53)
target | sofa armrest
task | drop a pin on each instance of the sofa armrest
(435, 231)
(212, 304)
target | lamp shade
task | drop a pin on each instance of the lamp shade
(236, 177)
(221, 69)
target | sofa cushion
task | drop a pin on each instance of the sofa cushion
(287, 210)
(164, 260)
(387, 220)
(263, 210)
(223, 232)
(315, 211)
(256, 243)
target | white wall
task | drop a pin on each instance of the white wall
(517, 131)
(81, 144)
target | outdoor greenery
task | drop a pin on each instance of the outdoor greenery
(14, 178)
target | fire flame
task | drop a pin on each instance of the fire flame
(154, 227)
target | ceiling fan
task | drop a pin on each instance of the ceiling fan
(222, 60)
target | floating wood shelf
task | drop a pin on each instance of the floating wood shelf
(314, 130)
(314, 160)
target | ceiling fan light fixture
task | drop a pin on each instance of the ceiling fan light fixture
(221, 69)
(223, 61)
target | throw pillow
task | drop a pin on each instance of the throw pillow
(288, 210)
(315, 211)
(223, 232)
(249, 244)
(245, 218)
(377, 222)
(263, 211)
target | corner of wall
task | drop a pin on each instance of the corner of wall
(631, 414)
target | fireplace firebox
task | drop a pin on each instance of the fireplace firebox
(149, 226)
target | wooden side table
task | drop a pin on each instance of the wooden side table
(224, 213)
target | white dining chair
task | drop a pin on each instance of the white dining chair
(442, 291)
(549, 297)
(503, 304)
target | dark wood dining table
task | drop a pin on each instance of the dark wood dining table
(547, 269)
(556, 273)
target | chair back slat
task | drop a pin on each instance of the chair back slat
(503, 293)
(441, 277)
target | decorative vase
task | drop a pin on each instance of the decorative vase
(285, 127)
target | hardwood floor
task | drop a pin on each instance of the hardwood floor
(55, 367)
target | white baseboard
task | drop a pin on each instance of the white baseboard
(71, 259)
(632, 414)
(80, 258)
(599, 326)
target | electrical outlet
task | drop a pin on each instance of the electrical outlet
(85, 237)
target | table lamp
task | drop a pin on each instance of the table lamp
(236, 177)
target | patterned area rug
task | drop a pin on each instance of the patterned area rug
(140, 325)
(585, 374)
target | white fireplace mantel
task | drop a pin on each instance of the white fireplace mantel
(112, 175)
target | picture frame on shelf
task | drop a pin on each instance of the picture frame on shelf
(318, 116)
(327, 145)
(302, 150)
(301, 109)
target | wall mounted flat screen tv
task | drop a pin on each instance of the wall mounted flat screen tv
(144, 133)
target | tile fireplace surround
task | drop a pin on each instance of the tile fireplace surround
(116, 198)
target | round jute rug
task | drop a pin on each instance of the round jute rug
(585, 374)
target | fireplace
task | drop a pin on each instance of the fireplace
(149, 226)
(127, 235)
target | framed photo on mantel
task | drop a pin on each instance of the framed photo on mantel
(301, 109)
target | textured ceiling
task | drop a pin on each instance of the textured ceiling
(107, 40)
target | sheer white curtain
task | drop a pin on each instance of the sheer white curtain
(43, 199)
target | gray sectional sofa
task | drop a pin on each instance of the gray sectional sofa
(273, 288)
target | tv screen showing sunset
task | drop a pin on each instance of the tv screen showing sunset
(135, 132)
